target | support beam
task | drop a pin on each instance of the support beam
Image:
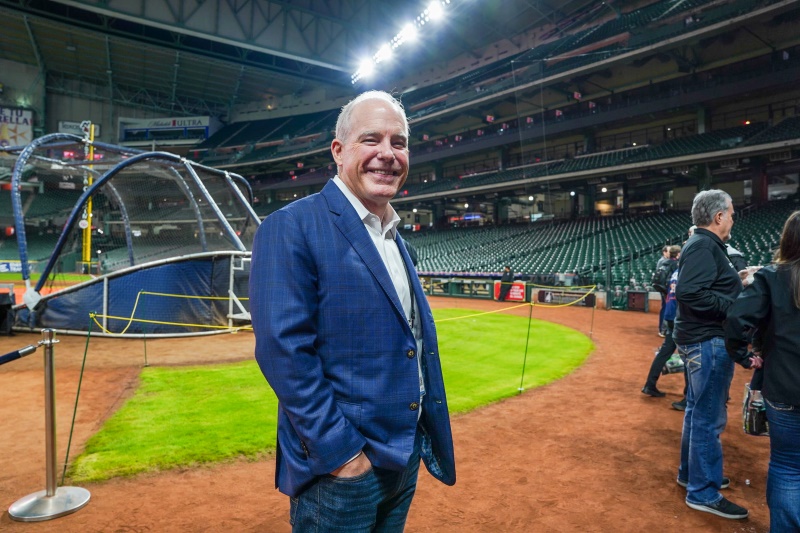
(175, 67)
(273, 27)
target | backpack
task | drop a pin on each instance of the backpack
(660, 279)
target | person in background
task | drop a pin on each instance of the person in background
(668, 346)
(770, 306)
(346, 338)
(663, 260)
(707, 286)
(506, 281)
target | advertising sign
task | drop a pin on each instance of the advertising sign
(16, 126)
(74, 128)
(515, 294)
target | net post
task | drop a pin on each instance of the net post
(527, 340)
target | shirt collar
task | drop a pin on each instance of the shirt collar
(711, 234)
(390, 217)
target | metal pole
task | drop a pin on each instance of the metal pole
(53, 501)
(48, 340)
(527, 340)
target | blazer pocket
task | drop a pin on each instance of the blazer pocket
(351, 411)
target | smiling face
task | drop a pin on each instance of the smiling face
(373, 160)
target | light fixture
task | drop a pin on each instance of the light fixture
(384, 53)
(603, 190)
(436, 10)
(414, 210)
(466, 206)
(530, 198)
(572, 193)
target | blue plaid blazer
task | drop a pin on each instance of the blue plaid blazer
(333, 342)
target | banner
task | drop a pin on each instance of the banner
(10, 266)
(74, 128)
(172, 122)
(16, 126)
(515, 294)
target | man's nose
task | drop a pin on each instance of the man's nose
(385, 151)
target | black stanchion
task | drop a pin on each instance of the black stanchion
(13, 356)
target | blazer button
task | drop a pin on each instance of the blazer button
(410, 354)
(414, 406)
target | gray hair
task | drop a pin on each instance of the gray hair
(343, 123)
(707, 204)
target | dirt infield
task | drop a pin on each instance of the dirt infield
(586, 453)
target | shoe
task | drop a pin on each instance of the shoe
(724, 508)
(652, 391)
(662, 334)
(679, 406)
(725, 483)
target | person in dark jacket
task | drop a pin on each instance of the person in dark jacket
(506, 281)
(668, 346)
(707, 285)
(662, 261)
(771, 307)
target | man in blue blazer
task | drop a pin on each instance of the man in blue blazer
(345, 337)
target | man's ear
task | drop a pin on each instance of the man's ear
(336, 151)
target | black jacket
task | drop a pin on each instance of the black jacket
(768, 306)
(708, 283)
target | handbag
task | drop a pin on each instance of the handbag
(754, 413)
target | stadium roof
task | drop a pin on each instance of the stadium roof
(199, 57)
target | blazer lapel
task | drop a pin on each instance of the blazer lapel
(354, 231)
(416, 286)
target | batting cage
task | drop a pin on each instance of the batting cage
(149, 242)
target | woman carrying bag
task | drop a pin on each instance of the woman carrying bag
(771, 305)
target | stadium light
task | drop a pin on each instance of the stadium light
(409, 33)
(436, 10)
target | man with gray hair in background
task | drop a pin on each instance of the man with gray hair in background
(708, 283)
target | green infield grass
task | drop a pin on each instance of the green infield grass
(187, 416)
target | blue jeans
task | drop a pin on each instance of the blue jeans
(783, 480)
(710, 371)
(377, 500)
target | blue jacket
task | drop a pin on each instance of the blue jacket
(670, 302)
(334, 343)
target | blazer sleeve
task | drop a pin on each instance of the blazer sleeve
(747, 314)
(284, 304)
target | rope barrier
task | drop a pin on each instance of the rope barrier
(130, 320)
(188, 296)
(481, 314)
(532, 304)
(145, 321)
